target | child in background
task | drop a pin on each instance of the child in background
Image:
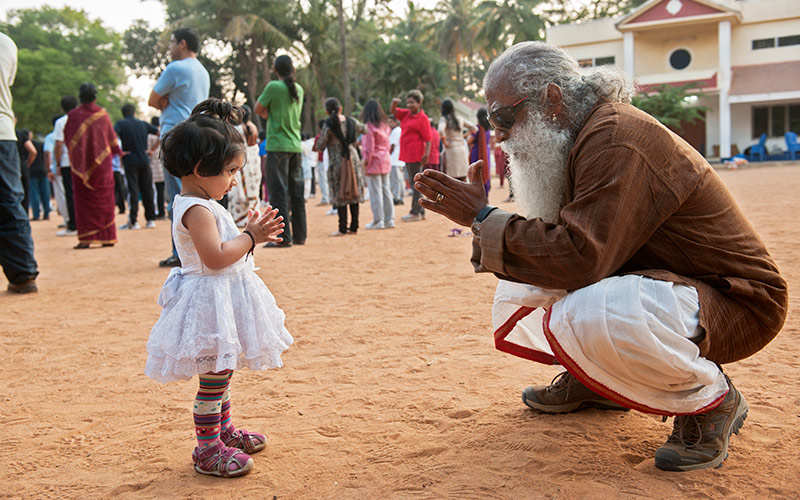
(217, 316)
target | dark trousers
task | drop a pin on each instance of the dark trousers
(16, 243)
(285, 186)
(120, 191)
(413, 169)
(140, 181)
(160, 210)
(66, 178)
(40, 196)
(26, 186)
(342, 211)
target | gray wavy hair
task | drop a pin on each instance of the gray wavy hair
(531, 66)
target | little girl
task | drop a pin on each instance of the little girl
(217, 314)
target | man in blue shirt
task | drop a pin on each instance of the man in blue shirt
(133, 134)
(182, 85)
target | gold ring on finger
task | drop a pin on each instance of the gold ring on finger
(439, 197)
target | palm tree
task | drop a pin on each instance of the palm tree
(414, 25)
(454, 33)
(247, 25)
(502, 23)
(345, 74)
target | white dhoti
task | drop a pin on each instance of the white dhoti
(627, 338)
(61, 198)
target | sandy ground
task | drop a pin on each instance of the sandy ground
(393, 388)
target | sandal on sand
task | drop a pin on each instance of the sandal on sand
(248, 442)
(219, 460)
(81, 246)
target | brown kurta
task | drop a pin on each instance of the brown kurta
(640, 200)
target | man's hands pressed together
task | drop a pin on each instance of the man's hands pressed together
(458, 201)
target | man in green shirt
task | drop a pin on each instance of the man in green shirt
(281, 104)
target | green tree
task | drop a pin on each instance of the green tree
(254, 30)
(343, 43)
(145, 49)
(454, 34)
(317, 33)
(401, 65)
(414, 25)
(669, 105)
(501, 24)
(58, 50)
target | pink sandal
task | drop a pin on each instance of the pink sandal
(249, 442)
(219, 460)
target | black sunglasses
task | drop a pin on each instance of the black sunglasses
(504, 118)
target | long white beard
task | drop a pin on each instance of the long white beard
(537, 157)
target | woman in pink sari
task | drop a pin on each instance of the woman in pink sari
(91, 141)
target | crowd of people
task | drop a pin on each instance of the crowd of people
(284, 166)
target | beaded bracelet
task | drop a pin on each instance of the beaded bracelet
(253, 247)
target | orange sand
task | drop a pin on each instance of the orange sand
(393, 388)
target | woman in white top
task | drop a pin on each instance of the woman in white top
(455, 147)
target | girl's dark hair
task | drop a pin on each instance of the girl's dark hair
(332, 106)
(483, 119)
(207, 139)
(373, 113)
(449, 115)
(285, 68)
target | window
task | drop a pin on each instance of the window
(782, 41)
(597, 61)
(778, 121)
(794, 118)
(680, 59)
(766, 43)
(785, 41)
(602, 61)
(760, 121)
(775, 121)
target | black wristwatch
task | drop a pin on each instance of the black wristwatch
(478, 220)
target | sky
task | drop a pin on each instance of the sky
(116, 14)
(119, 14)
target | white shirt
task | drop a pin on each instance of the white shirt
(309, 154)
(8, 72)
(58, 134)
(394, 140)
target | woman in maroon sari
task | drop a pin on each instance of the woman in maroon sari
(91, 141)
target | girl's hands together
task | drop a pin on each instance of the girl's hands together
(265, 227)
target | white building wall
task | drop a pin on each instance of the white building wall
(742, 36)
(653, 49)
(594, 50)
(712, 122)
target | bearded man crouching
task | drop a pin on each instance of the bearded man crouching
(632, 266)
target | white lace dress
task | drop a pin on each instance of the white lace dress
(213, 320)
